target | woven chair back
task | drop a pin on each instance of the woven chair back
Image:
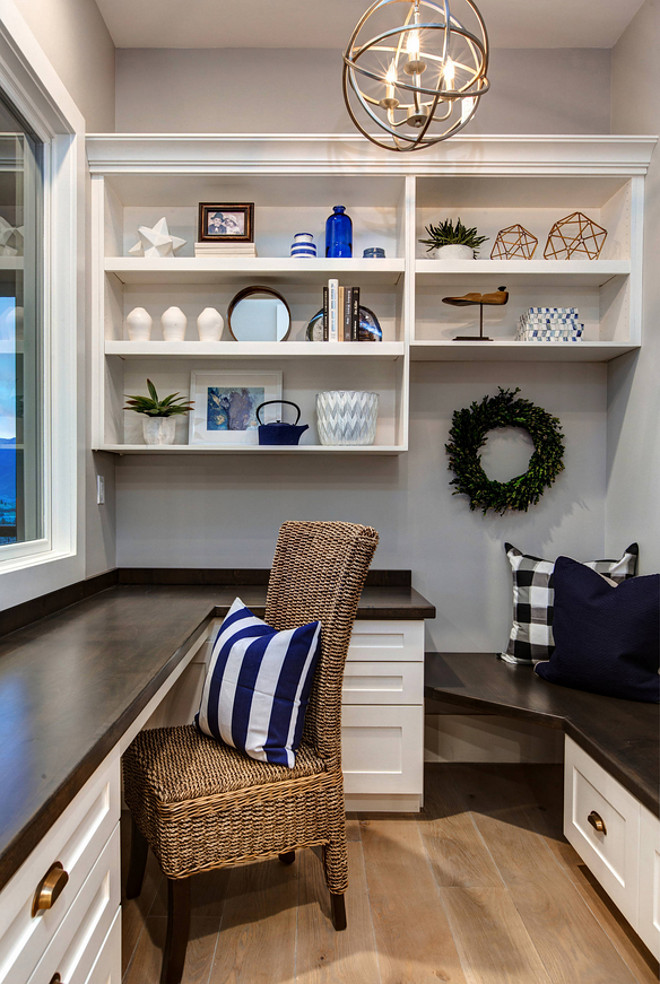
(318, 572)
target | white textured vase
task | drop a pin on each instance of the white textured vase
(347, 417)
(209, 325)
(158, 430)
(174, 324)
(454, 251)
(138, 325)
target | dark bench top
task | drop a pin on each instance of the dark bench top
(72, 683)
(621, 735)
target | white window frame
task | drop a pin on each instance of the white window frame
(31, 84)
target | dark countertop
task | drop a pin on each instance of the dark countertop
(623, 736)
(72, 683)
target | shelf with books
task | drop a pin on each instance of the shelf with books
(139, 270)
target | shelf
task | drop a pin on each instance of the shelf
(255, 350)
(513, 351)
(388, 449)
(549, 273)
(204, 270)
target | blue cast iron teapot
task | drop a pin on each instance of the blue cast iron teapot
(278, 432)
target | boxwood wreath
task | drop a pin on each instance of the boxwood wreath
(468, 434)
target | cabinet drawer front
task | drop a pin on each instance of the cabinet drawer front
(383, 683)
(391, 641)
(649, 881)
(75, 840)
(75, 946)
(611, 855)
(382, 750)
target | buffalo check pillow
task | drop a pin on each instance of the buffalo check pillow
(257, 686)
(531, 635)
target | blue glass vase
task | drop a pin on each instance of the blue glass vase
(338, 233)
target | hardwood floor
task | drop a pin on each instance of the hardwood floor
(480, 888)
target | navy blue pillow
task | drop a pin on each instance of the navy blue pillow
(607, 639)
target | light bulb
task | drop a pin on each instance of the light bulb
(449, 74)
(415, 65)
(466, 108)
(390, 101)
(412, 44)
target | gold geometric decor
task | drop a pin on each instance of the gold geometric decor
(514, 241)
(576, 233)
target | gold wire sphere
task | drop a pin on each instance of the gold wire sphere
(418, 77)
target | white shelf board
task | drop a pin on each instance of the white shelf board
(254, 350)
(550, 273)
(213, 269)
(514, 351)
(159, 449)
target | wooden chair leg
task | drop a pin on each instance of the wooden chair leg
(178, 928)
(338, 906)
(287, 858)
(137, 862)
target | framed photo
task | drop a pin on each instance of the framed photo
(226, 404)
(226, 222)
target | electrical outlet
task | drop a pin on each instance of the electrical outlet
(100, 490)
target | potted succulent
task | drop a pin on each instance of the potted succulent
(159, 423)
(452, 242)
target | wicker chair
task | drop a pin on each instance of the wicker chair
(201, 805)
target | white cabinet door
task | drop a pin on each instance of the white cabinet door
(649, 881)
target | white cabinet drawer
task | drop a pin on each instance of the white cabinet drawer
(75, 946)
(75, 840)
(649, 881)
(381, 749)
(612, 855)
(388, 641)
(383, 683)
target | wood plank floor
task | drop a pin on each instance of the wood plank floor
(480, 888)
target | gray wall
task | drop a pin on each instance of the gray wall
(633, 390)
(291, 91)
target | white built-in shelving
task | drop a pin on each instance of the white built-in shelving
(489, 182)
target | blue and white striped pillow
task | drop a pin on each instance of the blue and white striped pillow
(257, 686)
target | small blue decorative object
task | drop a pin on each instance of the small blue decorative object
(338, 233)
(369, 329)
(374, 253)
(278, 432)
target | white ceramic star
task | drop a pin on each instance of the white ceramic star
(156, 241)
(7, 232)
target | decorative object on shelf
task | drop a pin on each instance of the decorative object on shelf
(174, 324)
(138, 325)
(514, 242)
(452, 242)
(367, 329)
(278, 432)
(497, 297)
(576, 233)
(226, 222)
(156, 241)
(225, 411)
(259, 314)
(469, 430)
(303, 245)
(338, 233)
(11, 238)
(373, 253)
(545, 324)
(159, 424)
(314, 330)
(209, 325)
(422, 70)
(347, 417)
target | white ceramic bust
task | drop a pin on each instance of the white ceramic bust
(209, 325)
(174, 324)
(138, 324)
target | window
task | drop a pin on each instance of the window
(22, 432)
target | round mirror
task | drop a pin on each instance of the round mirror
(259, 314)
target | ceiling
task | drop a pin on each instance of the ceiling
(328, 23)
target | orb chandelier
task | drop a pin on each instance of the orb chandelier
(416, 71)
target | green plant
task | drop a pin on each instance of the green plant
(153, 407)
(448, 234)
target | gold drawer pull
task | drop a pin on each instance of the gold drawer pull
(50, 889)
(597, 822)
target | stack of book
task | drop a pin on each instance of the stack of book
(341, 312)
(225, 249)
(550, 324)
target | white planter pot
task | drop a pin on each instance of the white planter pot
(158, 430)
(174, 324)
(346, 417)
(138, 324)
(456, 251)
(209, 325)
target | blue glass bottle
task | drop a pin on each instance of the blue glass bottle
(339, 233)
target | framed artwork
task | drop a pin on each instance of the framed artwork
(226, 222)
(226, 404)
